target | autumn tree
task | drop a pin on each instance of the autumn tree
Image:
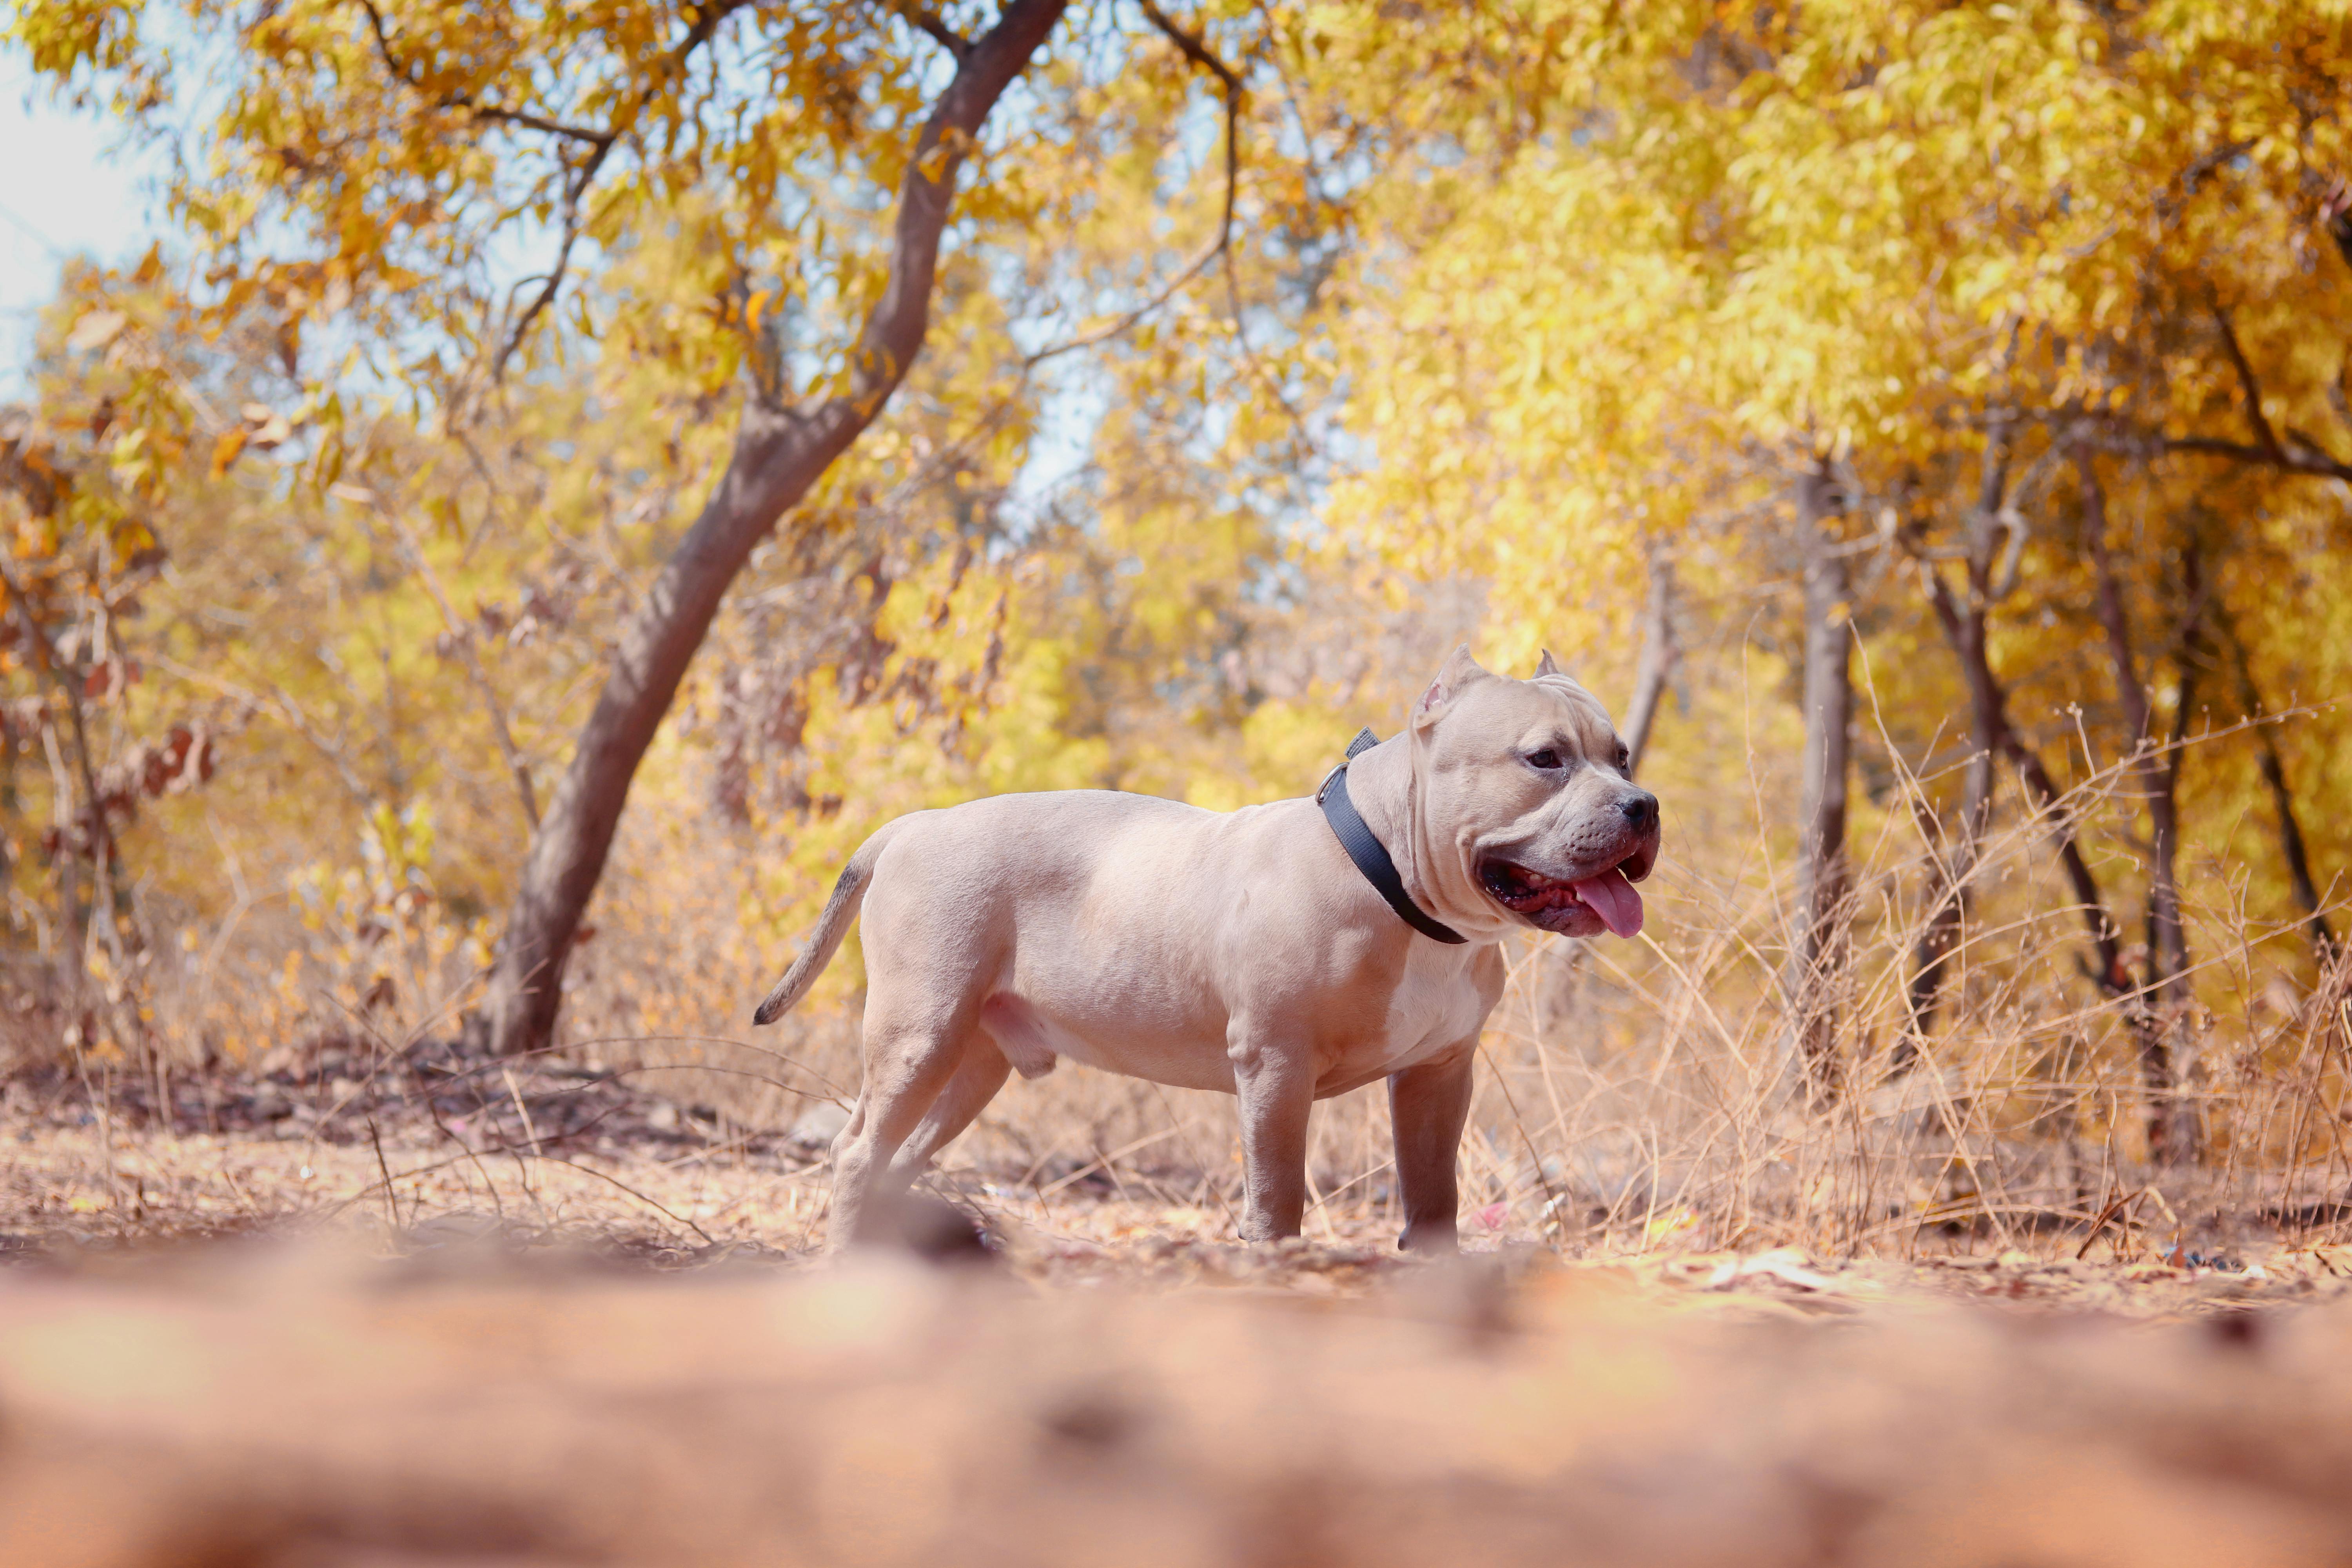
(369, 157)
(1951, 253)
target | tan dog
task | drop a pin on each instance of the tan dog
(1239, 951)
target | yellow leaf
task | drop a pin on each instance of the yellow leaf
(97, 329)
(227, 450)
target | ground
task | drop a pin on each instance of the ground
(592, 1328)
(550, 1156)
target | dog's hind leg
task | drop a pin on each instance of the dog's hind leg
(978, 1077)
(909, 1062)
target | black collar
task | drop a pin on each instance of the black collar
(1364, 848)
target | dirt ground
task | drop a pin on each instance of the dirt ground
(249, 1333)
(548, 1160)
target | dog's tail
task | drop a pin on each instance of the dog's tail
(848, 895)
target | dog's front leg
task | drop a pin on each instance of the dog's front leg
(1275, 1078)
(1427, 1104)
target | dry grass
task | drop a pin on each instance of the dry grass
(1634, 1098)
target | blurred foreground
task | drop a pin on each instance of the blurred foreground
(281, 1405)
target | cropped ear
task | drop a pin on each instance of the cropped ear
(1546, 666)
(1459, 672)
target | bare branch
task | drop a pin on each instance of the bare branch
(2112, 433)
(1994, 731)
(383, 44)
(2129, 692)
(531, 121)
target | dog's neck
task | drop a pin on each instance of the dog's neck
(1387, 795)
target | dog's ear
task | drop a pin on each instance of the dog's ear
(1459, 672)
(1546, 666)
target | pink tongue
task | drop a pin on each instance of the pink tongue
(1613, 897)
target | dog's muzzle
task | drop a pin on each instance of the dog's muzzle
(1584, 902)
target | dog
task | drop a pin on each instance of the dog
(1282, 954)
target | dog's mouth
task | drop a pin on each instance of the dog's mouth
(1556, 904)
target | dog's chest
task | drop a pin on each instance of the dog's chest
(1437, 1001)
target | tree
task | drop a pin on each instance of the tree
(779, 451)
(1824, 880)
(1944, 246)
(385, 150)
(80, 557)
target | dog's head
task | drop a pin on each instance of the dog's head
(1525, 780)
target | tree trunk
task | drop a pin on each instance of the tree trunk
(1659, 652)
(2291, 848)
(779, 453)
(2171, 1126)
(2168, 935)
(1822, 849)
(1955, 867)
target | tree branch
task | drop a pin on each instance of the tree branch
(2317, 463)
(2129, 692)
(459, 101)
(931, 22)
(1194, 48)
(599, 145)
(2073, 428)
(2291, 845)
(2335, 217)
(1989, 702)
(893, 331)
(2252, 388)
(1198, 53)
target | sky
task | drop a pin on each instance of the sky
(64, 189)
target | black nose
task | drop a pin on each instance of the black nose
(1640, 809)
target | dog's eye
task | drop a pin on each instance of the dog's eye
(1625, 756)
(1546, 759)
